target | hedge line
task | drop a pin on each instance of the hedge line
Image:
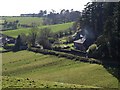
(72, 51)
(65, 55)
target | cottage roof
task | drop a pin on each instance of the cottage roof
(80, 41)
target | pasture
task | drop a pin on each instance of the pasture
(49, 68)
(54, 28)
(25, 20)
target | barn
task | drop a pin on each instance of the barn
(79, 44)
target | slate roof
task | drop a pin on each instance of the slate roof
(80, 41)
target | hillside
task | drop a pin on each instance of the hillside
(39, 67)
(9, 82)
(54, 28)
(25, 20)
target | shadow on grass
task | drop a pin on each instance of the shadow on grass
(113, 69)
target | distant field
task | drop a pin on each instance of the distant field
(39, 67)
(54, 28)
(25, 20)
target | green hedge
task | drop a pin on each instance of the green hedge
(65, 55)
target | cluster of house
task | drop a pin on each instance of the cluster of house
(81, 42)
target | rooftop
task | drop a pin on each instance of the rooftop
(80, 41)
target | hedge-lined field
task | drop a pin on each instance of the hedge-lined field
(25, 20)
(54, 28)
(35, 66)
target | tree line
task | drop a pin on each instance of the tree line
(10, 25)
(54, 17)
(102, 20)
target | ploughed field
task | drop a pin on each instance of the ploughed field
(29, 69)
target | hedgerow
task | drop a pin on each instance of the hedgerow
(65, 55)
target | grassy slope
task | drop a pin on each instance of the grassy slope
(25, 64)
(25, 20)
(29, 83)
(54, 28)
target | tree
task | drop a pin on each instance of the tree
(17, 43)
(41, 13)
(43, 38)
(24, 39)
(103, 19)
(32, 36)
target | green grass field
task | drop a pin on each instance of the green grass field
(25, 20)
(54, 28)
(47, 69)
(9, 82)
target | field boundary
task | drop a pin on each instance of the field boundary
(66, 55)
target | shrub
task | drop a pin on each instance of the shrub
(92, 51)
(70, 39)
(92, 48)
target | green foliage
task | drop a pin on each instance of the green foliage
(70, 39)
(63, 54)
(32, 36)
(43, 38)
(102, 20)
(10, 25)
(63, 17)
(18, 43)
(92, 48)
(111, 33)
(24, 39)
(93, 52)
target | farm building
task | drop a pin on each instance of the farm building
(79, 44)
(83, 40)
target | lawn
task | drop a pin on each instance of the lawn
(58, 27)
(54, 28)
(39, 67)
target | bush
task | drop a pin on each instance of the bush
(91, 48)
(70, 39)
